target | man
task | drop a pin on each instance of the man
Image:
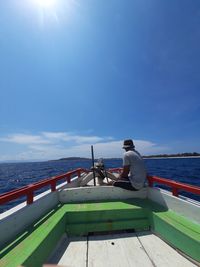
(133, 174)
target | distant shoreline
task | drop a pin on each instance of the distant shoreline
(192, 157)
(88, 159)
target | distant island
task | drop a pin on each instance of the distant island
(81, 159)
(178, 155)
(71, 158)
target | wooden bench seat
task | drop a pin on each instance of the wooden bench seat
(33, 247)
(83, 219)
(178, 231)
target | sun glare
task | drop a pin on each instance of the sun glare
(46, 3)
(52, 11)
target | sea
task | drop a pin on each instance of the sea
(16, 175)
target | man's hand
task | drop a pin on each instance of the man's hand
(125, 172)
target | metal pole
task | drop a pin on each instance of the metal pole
(106, 174)
(92, 151)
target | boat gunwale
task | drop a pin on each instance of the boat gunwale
(29, 190)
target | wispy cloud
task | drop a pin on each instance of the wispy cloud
(54, 145)
(51, 138)
(25, 139)
(62, 136)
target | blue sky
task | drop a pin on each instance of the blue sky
(80, 72)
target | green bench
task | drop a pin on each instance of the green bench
(105, 216)
(180, 232)
(33, 246)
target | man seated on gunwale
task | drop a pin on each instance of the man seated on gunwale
(133, 175)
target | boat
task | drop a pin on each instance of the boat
(76, 224)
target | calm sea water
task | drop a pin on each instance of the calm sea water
(16, 175)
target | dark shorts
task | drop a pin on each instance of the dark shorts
(125, 184)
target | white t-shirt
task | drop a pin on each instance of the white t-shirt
(137, 173)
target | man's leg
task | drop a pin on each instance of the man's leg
(125, 184)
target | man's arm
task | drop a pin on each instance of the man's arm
(123, 175)
(125, 172)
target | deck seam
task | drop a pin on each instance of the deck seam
(87, 252)
(153, 263)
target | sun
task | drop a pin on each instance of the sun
(46, 3)
(51, 11)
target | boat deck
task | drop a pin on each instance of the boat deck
(119, 250)
(133, 217)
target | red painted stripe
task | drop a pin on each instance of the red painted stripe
(174, 185)
(28, 190)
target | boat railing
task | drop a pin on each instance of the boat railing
(29, 190)
(176, 187)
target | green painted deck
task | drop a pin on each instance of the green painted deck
(105, 216)
(33, 247)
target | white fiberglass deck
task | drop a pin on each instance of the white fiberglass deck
(119, 250)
